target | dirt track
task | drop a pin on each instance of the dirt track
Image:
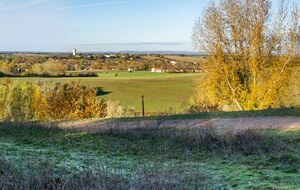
(236, 123)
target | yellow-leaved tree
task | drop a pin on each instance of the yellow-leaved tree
(70, 100)
(19, 100)
(253, 51)
(23, 101)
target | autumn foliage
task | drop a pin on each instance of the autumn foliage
(23, 101)
(253, 52)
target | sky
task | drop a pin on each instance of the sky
(97, 25)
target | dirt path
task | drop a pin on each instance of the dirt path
(236, 123)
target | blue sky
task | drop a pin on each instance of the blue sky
(97, 25)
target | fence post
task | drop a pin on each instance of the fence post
(143, 105)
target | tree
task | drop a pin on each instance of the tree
(37, 69)
(23, 101)
(73, 100)
(5, 68)
(19, 101)
(252, 53)
(52, 68)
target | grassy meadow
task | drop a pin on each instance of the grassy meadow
(37, 157)
(162, 91)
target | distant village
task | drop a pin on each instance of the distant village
(86, 64)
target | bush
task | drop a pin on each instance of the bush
(19, 101)
(23, 101)
(203, 106)
(74, 101)
(80, 74)
(115, 109)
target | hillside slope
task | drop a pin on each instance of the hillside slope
(173, 152)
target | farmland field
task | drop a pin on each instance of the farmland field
(162, 91)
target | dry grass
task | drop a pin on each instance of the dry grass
(155, 141)
(41, 176)
(96, 125)
(243, 139)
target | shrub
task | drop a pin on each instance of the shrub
(115, 109)
(23, 101)
(204, 106)
(73, 100)
(19, 101)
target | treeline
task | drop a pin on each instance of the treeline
(23, 101)
(53, 66)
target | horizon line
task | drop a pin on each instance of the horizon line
(121, 51)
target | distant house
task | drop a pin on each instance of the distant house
(157, 70)
(110, 56)
(173, 63)
(130, 70)
(90, 56)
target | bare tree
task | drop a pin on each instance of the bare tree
(253, 53)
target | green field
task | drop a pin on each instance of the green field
(35, 157)
(162, 91)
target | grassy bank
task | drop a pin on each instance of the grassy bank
(38, 157)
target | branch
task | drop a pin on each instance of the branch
(234, 93)
(285, 64)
